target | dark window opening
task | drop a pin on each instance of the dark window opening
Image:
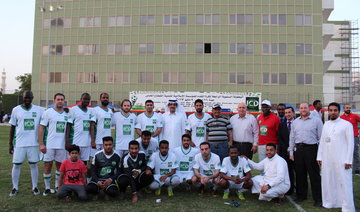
(207, 48)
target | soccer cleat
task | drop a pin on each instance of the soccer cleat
(158, 191)
(170, 192)
(240, 195)
(13, 192)
(36, 191)
(213, 193)
(47, 192)
(226, 195)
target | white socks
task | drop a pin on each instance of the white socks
(47, 180)
(15, 174)
(34, 175)
(57, 179)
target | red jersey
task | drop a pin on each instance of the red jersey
(268, 129)
(73, 171)
(354, 120)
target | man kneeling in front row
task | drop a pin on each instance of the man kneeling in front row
(105, 170)
(232, 174)
(275, 182)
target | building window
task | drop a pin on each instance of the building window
(274, 78)
(241, 19)
(174, 48)
(274, 48)
(211, 78)
(208, 19)
(146, 77)
(90, 21)
(304, 79)
(274, 19)
(90, 49)
(303, 20)
(175, 20)
(119, 21)
(119, 49)
(174, 77)
(303, 49)
(241, 78)
(207, 48)
(56, 50)
(147, 20)
(199, 79)
(57, 23)
(241, 48)
(87, 77)
(117, 77)
(146, 48)
(64, 77)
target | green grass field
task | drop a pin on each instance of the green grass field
(182, 200)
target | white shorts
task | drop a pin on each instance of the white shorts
(238, 187)
(30, 152)
(85, 152)
(184, 175)
(166, 182)
(94, 151)
(58, 155)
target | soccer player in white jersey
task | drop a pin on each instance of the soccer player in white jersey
(196, 124)
(164, 165)
(52, 142)
(149, 120)
(232, 174)
(206, 169)
(103, 116)
(23, 140)
(148, 144)
(124, 122)
(185, 154)
(83, 122)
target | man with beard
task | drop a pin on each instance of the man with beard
(23, 140)
(281, 112)
(354, 120)
(148, 144)
(52, 144)
(124, 122)
(149, 120)
(335, 157)
(83, 123)
(103, 122)
(196, 124)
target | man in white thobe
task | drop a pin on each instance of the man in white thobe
(275, 182)
(174, 124)
(335, 157)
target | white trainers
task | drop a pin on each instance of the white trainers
(36, 191)
(13, 192)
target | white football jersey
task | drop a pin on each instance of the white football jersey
(237, 170)
(162, 165)
(186, 158)
(197, 127)
(26, 124)
(144, 122)
(124, 129)
(81, 124)
(55, 131)
(103, 123)
(153, 147)
(207, 168)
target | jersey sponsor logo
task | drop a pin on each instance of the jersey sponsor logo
(263, 130)
(29, 124)
(105, 170)
(107, 123)
(234, 176)
(86, 125)
(126, 129)
(184, 166)
(150, 128)
(169, 164)
(164, 172)
(208, 172)
(60, 126)
(200, 131)
(34, 114)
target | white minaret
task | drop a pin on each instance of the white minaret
(3, 81)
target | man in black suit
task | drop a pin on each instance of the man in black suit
(283, 137)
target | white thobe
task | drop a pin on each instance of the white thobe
(335, 150)
(276, 175)
(173, 128)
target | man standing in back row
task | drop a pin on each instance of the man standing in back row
(149, 120)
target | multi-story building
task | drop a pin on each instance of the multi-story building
(270, 46)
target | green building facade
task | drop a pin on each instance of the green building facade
(270, 46)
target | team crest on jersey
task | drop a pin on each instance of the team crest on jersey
(240, 170)
(191, 158)
(131, 121)
(113, 163)
(154, 121)
(66, 118)
(90, 116)
(169, 164)
(33, 114)
(140, 162)
(212, 166)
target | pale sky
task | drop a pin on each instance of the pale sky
(17, 32)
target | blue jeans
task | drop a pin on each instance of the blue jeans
(220, 148)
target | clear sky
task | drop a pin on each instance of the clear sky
(17, 32)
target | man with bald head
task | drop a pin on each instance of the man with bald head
(304, 139)
(245, 131)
